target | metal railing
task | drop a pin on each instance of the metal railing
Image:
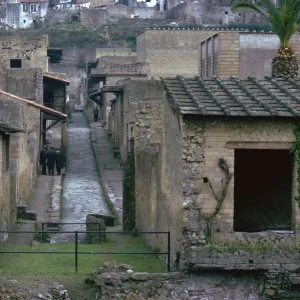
(76, 252)
(54, 224)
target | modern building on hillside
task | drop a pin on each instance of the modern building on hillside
(25, 13)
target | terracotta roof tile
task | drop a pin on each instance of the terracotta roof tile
(234, 97)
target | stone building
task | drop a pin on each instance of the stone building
(25, 13)
(220, 52)
(212, 163)
(112, 65)
(20, 151)
(24, 52)
(240, 54)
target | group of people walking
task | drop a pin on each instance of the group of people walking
(51, 158)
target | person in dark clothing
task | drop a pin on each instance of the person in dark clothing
(43, 160)
(96, 113)
(51, 161)
(59, 161)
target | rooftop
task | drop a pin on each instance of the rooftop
(50, 76)
(234, 97)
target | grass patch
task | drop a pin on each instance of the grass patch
(61, 265)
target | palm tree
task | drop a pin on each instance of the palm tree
(284, 18)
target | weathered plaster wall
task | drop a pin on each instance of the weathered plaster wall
(6, 208)
(169, 212)
(32, 51)
(258, 50)
(24, 147)
(25, 83)
(146, 100)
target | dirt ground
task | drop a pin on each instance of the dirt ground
(40, 203)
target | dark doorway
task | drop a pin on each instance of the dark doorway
(49, 98)
(262, 190)
(16, 63)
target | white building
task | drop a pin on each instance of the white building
(25, 13)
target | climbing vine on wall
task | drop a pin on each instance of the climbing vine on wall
(296, 150)
(219, 198)
(129, 193)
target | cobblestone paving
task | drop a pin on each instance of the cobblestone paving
(82, 192)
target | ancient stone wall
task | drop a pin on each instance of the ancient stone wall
(240, 54)
(5, 203)
(25, 83)
(146, 99)
(171, 52)
(23, 154)
(168, 216)
(206, 144)
(115, 281)
(118, 65)
(31, 51)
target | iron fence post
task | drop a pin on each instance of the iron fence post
(99, 228)
(169, 252)
(76, 251)
(43, 231)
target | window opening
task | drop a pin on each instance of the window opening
(15, 63)
(262, 190)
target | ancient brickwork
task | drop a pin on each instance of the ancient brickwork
(240, 54)
(171, 52)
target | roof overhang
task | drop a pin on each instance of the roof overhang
(41, 107)
(53, 77)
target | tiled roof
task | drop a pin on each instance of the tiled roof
(234, 97)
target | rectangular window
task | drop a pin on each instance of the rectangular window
(33, 8)
(262, 190)
(5, 152)
(15, 63)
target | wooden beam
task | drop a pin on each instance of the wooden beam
(50, 126)
(259, 145)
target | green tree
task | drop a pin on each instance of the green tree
(284, 18)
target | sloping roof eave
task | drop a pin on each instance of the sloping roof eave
(43, 108)
(56, 78)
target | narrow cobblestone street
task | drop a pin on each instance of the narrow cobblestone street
(82, 194)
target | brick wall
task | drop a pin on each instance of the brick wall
(240, 54)
(228, 54)
(171, 52)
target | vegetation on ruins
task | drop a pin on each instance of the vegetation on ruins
(284, 19)
(219, 198)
